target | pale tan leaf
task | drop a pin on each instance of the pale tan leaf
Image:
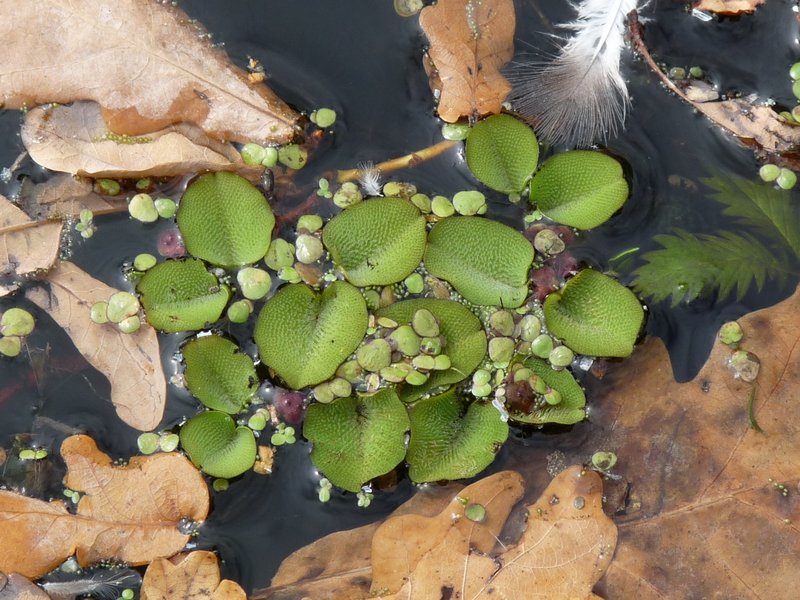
(64, 195)
(75, 139)
(470, 41)
(17, 587)
(193, 576)
(131, 362)
(728, 7)
(129, 513)
(144, 61)
(26, 246)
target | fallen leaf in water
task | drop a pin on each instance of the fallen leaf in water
(131, 362)
(63, 196)
(128, 513)
(146, 63)
(26, 247)
(75, 139)
(566, 546)
(17, 587)
(754, 124)
(193, 576)
(728, 7)
(470, 41)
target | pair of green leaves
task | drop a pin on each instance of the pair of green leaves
(359, 438)
(580, 188)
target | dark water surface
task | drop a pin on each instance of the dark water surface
(360, 58)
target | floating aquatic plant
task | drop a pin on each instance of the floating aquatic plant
(217, 446)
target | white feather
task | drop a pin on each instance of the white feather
(370, 178)
(580, 97)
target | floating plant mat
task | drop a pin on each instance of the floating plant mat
(429, 336)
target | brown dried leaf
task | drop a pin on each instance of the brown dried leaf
(26, 246)
(131, 362)
(470, 41)
(193, 576)
(145, 62)
(75, 139)
(65, 195)
(754, 124)
(728, 7)
(128, 513)
(17, 587)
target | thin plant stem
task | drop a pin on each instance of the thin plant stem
(402, 162)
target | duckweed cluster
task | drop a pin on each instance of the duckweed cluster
(15, 325)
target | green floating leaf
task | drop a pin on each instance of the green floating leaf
(376, 242)
(181, 295)
(217, 446)
(304, 336)
(502, 152)
(218, 374)
(571, 408)
(487, 262)
(452, 438)
(582, 188)
(595, 315)
(225, 220)
(358, 438)
(463, 331)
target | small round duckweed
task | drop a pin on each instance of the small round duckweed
(408, 8)
(416, 378)
(442, 207)
(324, 490)
(423, 362)
(257, 421)
(270, 157)
(16, 321)
(422, 202)
(308, 248)
(240, 311)
(794, 71)
(130, 324)
(731, 333)
(323, 117)
(148, 443)
(254, 283)
(165, 207)
(109, 187)
(340, 387)
(375, 355)
(455, 131)
(142, 208)
(253, 154)
(414, 283)
(220, 485)
(347, 195)
(696, 72)
(279, 255)
(323, 393)
(769, 172)
(501, 349)
(469, 203)
(542, 346)
(442, 362)
(127, 594)
(529, 328)
(786, 179)
(552, 397)
(99, 312)
(364, 498)
(168, 442)
(561, 356)
(309, 223)
(10, 345)
(400, 189)
(475, 513)
(405, 340)
(424, 323)
(144, 261)
(27, 454)
(289, 274)
(502, 322)
(604, 461)
(548, 242)
(293, 156)
(122, 305)
(745, 365)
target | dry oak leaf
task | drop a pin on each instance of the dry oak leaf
(145, 62)
(131, 362)
(26, 246)
(75, 139)
(128, 513)
(565, 549)
(728, 7)
(192, 576)
(337, 566)
(470, 41)
(17, 587)
(65, 195)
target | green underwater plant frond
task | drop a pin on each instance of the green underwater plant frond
(760, 206)
(689, 265)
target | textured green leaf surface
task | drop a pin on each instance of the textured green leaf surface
(571, 408)
(304, 336)
(595, 315)
(463, 331)
(376, 242)
(218, 374)
(217, 446)
(225, 220)
(502, 153)
(358, 438)
(451, 438)
(181, 295)
(487, 262)
(582, 188)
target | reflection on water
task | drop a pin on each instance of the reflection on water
(359, 58)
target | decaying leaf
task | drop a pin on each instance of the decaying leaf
(65, 195)
(728, 7)
(131, 362)
(193, 576)
(17, 587)
(144, 61)
(567, 545)
(470, 41)
(75, 139)
(129, 513)
(27, 247)
(754, 124)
